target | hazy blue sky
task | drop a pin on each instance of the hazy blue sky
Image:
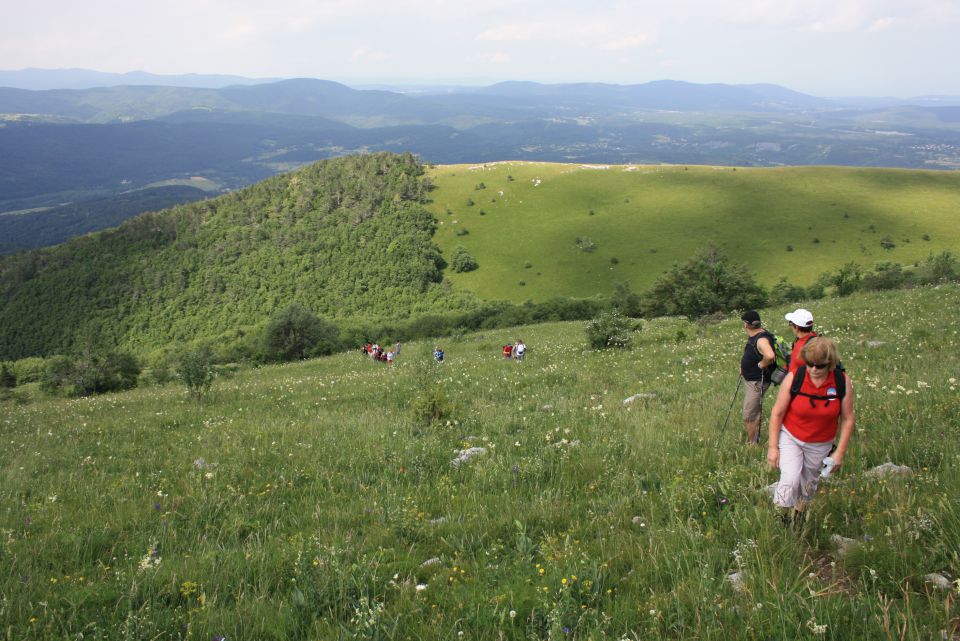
(824, 47)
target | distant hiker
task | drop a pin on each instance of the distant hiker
(519, 350)
(801, 324)
(438, 354)
(396, 348)
(756, 367)
(804, 422)
(390, 355)
(507, 351)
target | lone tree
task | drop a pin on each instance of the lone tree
(707, 283)
(195, 369)
(462, 261)
(296, 333)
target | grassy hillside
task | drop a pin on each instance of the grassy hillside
(344, 237)
(646, 217)
(309, 502)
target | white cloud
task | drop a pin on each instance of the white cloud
(628, 42)
(372, 55)
(882, 24)
(497, 58)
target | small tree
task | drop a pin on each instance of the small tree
(195, 370)
(609, 329)
(705, 284)
(8, 379)
(462, 261)
(296, 333)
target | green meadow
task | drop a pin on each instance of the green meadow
(320, 500)
(523, 225)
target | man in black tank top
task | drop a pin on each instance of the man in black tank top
(756, 366)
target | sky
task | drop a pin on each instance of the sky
(901, 48)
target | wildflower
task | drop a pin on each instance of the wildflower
(421, 587)
(513, 613)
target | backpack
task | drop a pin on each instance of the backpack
(838, 376)
(781, 353)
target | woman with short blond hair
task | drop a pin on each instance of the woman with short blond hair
(804, 424)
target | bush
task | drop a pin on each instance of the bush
(885, 276)
(8, 380)
(786, 292)
(195, 370)
(941, 268)
(296, 333)
(91, 373)
(845, 281)
(609, 329)
(462, 261)
(585, 244)
(29, 370)
(705, 284)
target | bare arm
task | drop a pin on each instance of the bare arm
(776, 421)
(766, 353)
(847, 419)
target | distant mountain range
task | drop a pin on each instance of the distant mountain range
(40, 79)
(60, 147)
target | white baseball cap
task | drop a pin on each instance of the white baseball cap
(800, 318)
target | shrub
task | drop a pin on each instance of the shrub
(786, 292)
(887, 242)
(29, 370)
(296, 333)
(609, 329)
(8, 379)
(845, 281)
(585, 244)
(705, 284)
(462, 261)
(941, 268)
(885, 276)
(195, 370)
(91, 373)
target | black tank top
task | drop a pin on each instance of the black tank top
(749, 364)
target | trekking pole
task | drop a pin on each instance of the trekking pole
(760, 422)
(732, 401)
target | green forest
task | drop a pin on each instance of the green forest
(347, 238)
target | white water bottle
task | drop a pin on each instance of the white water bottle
(828, 465)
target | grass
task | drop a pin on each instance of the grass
(648, 217)
(309, 501)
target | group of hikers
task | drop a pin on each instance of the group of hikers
(813, 404)
(514, 351)
(377, 353)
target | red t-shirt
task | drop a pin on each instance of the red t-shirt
(795, 360)
(814, 420)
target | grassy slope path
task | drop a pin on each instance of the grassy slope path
(647, 217)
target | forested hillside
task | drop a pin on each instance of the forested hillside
(345, 238)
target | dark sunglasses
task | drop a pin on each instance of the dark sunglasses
(819, 365)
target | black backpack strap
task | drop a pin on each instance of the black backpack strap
(841, 380)
(797, 383)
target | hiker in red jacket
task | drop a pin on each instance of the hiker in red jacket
(801, 324)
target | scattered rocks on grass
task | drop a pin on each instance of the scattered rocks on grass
(464, 456)
(938, 581)
(641, 396)
(844, 545)
(888, 470)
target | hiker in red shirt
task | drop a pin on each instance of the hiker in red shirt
(805, 421)
(508, 351)
(801, 324)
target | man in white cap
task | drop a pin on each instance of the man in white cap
(801, 324)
